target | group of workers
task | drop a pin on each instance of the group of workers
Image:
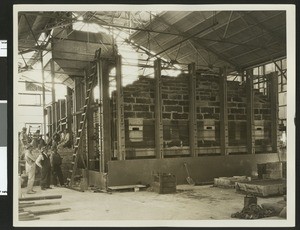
(45, 155)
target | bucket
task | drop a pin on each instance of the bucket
(249, 199)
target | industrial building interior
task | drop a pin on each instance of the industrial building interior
(175, 114)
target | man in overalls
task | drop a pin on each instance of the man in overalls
(43, 161)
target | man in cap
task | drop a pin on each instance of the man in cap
(43, 161)
(30, 168)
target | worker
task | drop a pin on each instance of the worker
(24, 141)
(48, 140)
(56, 138)
(43, 161)
(35, 138)
(65, 141)
(56, 161)
(30, 168)
(40, 141)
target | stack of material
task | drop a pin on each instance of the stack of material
(262, 188)
(229, 182)
(134, 187)
(271, 170)
(26, 215)
(164, 183)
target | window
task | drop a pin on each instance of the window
(30, 99)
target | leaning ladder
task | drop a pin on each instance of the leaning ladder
(80, 133)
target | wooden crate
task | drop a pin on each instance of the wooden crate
(271, 170)
(164, 183)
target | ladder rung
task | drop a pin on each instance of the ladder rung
(79, 130)
(74, 154)
(68, 179)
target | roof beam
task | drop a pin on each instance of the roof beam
(278, 36)
(196, 44)
(249, 40)
(189, 37)
(227, 25)
(238, 32)
(251, 51)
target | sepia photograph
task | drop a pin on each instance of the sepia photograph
(154, 115)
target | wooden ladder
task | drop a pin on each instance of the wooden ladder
(80, 133)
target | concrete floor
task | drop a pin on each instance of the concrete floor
(189, 203)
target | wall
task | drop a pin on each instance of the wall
(202, 169)
(139, 105)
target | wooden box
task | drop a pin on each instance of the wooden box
(164, 183)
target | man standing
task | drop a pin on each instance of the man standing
(30, 168)
(43, 161)
(65, 140)
(56, 169)
(24, 140)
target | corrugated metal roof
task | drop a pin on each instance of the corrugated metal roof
(239, 39)
(236, 39)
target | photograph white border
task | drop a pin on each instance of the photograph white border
(291, 83)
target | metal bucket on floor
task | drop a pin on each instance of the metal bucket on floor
(249, 199)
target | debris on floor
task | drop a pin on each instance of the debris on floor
(229, 182)
(36, 201)
(278, 208)
(252, 210)
(262, 188)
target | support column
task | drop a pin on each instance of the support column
(223, 112)
(120, 111)
(44, 97)
(54, 117)
(90, 129)
(193, 139)
(100, 111)
(69, 108)
(250, 112)
(104, 114)
(158, 110)
(274, 110)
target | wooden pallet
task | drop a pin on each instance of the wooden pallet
(135, 187)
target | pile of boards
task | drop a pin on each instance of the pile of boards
(25, 214)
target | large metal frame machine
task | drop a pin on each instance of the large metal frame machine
(92, 122)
